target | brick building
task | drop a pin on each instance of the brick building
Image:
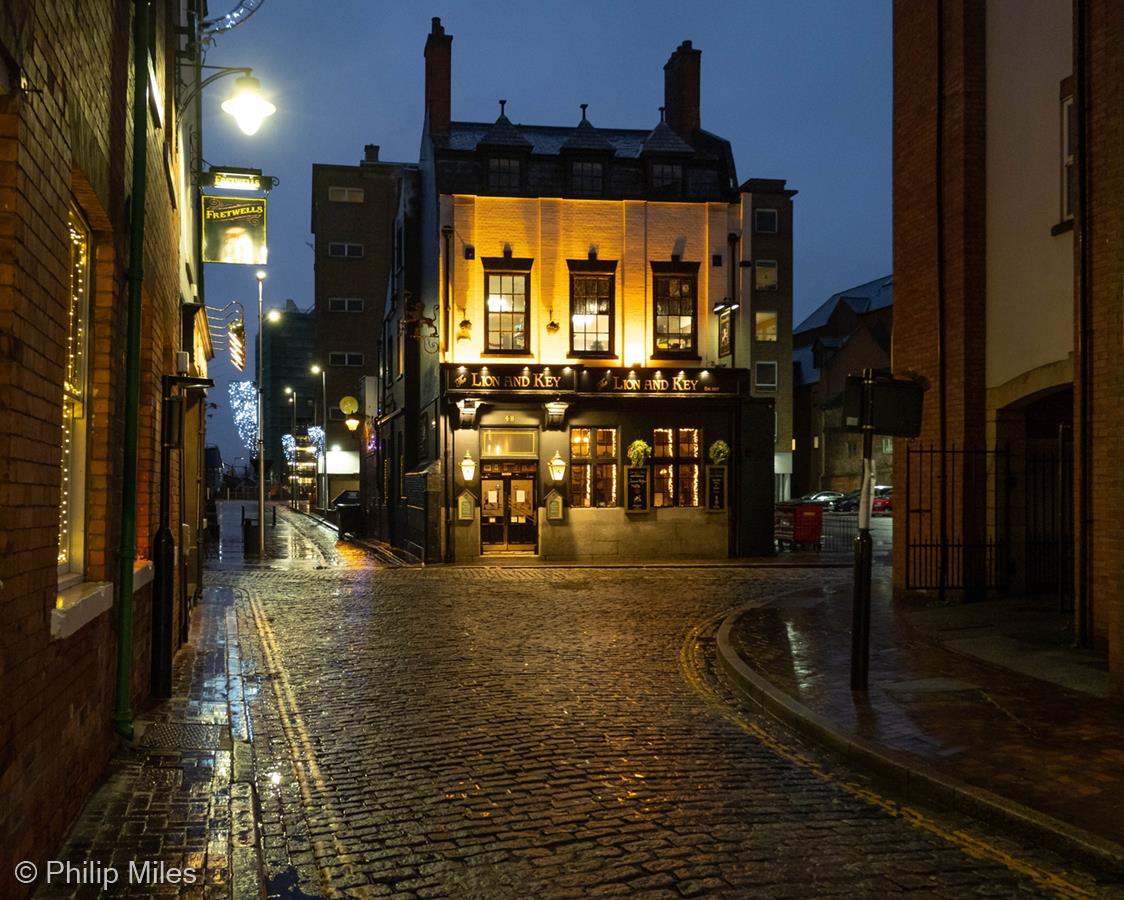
(847, 333)
(353, 211)
(581, 288)
(69, 210)
(1008, 250)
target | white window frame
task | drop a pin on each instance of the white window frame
(757, 329)
(1068, 157)
(345, 250)
(765, 385)
(344, 194)
(346, 304)
(761, 265)
(758, 228)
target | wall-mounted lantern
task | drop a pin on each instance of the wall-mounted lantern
(468, 468)
(557, 467)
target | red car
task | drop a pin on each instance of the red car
(881, 502)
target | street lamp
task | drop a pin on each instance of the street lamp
(260, 276)
(248, 107)
(322, 461)
(293, 463)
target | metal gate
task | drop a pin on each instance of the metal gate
(970, 551)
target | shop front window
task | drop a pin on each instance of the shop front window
(593, 467)
(676, 463)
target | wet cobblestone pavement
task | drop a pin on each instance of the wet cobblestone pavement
(486, 732)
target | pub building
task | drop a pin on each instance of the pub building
(587, 339)
(539, 462)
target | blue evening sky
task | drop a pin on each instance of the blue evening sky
(801, 88)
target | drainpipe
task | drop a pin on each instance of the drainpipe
(942, 390)
(123, 715)
(1084, 439)
(447, 233)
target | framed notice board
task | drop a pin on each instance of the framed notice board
(715, 488)
(636, 489)
(466, 507)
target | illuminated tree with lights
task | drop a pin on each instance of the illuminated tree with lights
(316, 437)
(244, 406)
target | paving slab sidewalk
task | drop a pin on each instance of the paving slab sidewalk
(1034, 753)
(181, 796)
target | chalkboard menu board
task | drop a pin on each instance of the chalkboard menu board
(636, 489)
(715, 487)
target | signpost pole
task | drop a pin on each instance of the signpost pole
(860, 604)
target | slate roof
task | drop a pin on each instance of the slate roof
(586, 137)
(663, 140)
(504, 134)
(545, 140)
(863, 298)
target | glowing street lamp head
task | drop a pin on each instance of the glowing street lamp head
(260, 275)
(288, 390)
(315, 370)
(274, 315)
(248, 106)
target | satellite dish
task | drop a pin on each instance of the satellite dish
(348, 405)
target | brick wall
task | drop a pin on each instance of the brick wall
(916, 262)
(70, 141)
(1099, 530)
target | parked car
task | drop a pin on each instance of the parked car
(881, 503)
(827, 497)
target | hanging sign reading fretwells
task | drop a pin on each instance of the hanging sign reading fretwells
(234, 230)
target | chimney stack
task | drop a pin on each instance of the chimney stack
(438, 77)
(681, 90)
(370, 153)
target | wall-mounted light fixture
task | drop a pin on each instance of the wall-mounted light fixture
(725, 304)
(557, 467)
(469, 251)
(466, 410)
(464, 330)
(352, 423)
(468, 468)
(556, 413)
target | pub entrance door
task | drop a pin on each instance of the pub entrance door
(508, 507)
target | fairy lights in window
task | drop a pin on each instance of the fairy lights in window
(74, 381)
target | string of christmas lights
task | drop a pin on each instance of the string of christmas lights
(316, 437)
(244, 407)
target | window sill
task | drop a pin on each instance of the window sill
(592, 354)
(1062, 228)
(78, 606)
(670, 354)
(522, 353)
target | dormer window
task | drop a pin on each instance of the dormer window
(503, 174)
(586, 178)
(667, 176)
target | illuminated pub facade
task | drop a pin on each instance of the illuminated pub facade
(587, 373)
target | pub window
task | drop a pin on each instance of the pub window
(509, 443)
(591, 314)
(593, 467)
(675, 315)
(765, 326)
(74, 420)
(345, 194)
(508, 322)
(345, 250)
(765, 275)
(345, 304)
(676, 457)
(765, 221)
(765, 376)
(503, 174)
(585, 177)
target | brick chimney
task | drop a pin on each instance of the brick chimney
(438, 77)
(681, 90)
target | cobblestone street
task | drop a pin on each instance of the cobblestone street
(522, 732)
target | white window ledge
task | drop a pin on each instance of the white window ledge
(79, 605)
